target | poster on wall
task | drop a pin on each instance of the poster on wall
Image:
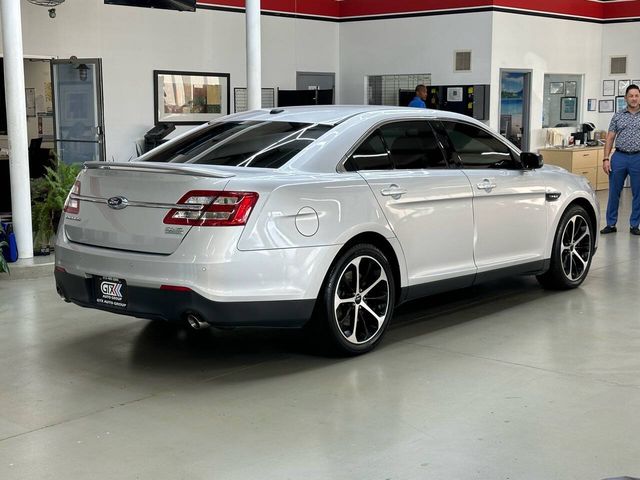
(622, 86)
(608, 88)
(30, 98)
(568, 108)
(454, 94)
(621, 104)
(605, 106)
(190, 98)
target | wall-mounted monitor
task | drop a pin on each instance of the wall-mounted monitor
(182, 5)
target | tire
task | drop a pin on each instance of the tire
(352, 316)
(572, 251)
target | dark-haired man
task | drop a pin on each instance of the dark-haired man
(421, 96)
(625, 130)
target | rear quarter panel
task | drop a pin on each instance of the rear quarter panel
(310, 210)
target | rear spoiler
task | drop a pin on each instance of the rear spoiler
(156, 167)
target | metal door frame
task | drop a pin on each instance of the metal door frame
(99, 100)
(526, 103)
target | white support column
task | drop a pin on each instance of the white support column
(254, 58)
(17, 125)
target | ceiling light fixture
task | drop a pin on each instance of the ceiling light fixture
(46, 3)
(83, 72)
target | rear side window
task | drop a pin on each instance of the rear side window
(244, 144)
(370, 155)
(477, 148)
(412, 145)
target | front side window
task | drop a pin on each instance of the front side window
(412, 145)
(478, 148)
(242, 144)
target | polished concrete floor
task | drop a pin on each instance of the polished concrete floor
(502, 381)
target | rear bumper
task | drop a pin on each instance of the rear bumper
(153, 303)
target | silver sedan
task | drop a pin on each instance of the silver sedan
(327, 216)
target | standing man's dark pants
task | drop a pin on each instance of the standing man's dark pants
(623, 164)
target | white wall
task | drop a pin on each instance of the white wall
(620, 39)
(498, 41)
(546, 45)
(414, 45)
(133, 42)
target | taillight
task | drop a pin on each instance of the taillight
(217, 209)
(72, 205)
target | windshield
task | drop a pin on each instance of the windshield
(241, 144)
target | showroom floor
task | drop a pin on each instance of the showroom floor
(502, 381)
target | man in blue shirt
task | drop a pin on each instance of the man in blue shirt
(421, 96)
(625, 130)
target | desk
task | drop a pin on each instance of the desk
(585, 161)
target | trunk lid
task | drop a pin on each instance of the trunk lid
(123, 205)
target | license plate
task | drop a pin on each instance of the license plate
(110, 292)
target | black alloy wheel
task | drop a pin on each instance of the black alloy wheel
(358, 299)
(572, 251)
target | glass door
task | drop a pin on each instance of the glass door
(515, 87)
(78, 110)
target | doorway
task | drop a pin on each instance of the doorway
(515, 100)
(317, 81)
(78, 109)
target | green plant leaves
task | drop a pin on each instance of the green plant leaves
(48, 195)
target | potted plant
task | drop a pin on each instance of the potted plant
(48, 194)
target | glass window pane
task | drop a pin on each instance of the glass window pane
(412, 145)
(242, 144)
(478, 148)
(370, 155)
(561, 101)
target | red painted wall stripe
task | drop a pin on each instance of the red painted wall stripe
(324, 8)
(596, 10)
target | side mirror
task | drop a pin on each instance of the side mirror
(531, 161)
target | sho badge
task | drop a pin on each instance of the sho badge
(118, 203)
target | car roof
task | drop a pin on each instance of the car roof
(334, 114)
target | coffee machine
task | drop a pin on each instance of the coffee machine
(587, 130)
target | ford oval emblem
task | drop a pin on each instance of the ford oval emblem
(118, 203)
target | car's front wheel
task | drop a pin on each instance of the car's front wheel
(357, 300)
(572, 250)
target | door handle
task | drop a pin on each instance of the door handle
(393, 191)
(486, 184)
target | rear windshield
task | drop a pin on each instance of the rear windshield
(241, 144)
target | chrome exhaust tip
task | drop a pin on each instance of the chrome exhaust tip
(196, 323)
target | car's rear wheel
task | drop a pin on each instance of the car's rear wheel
(357, 300)
(572, 251)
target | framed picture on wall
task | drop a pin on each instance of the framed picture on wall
(608, 88)
(570, 89)
(556, 88)
(621, 104)
(190, 98)
(605, 106)
(636, 82)
(622, 86)
(568, 108)
(592, 105)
